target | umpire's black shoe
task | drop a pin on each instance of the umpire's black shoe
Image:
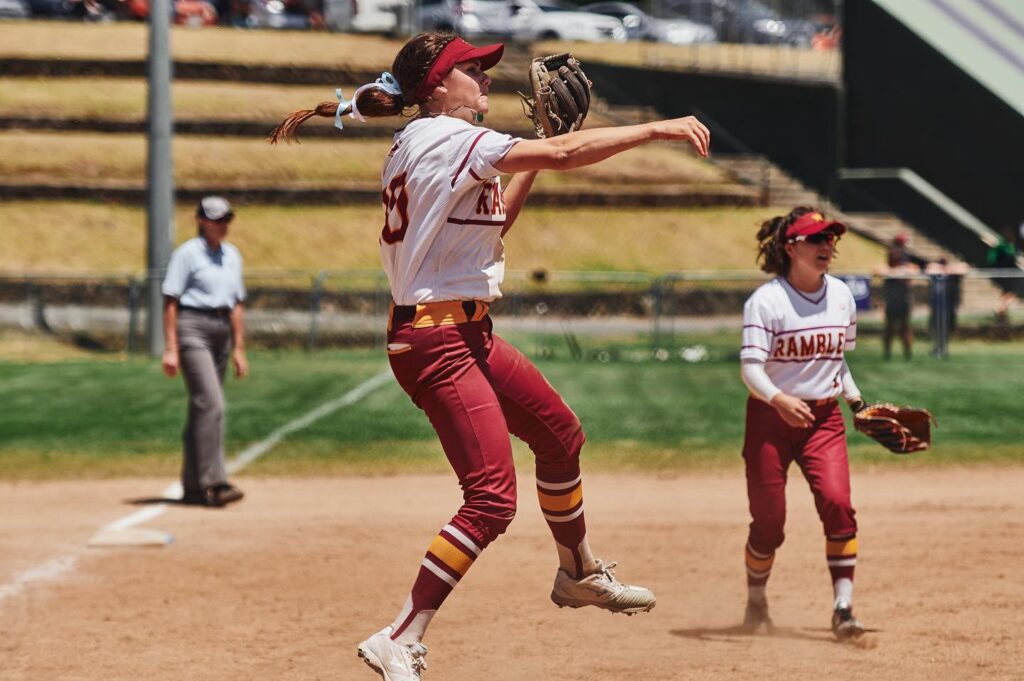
(844, 625)
(194, 497)
(222, 495)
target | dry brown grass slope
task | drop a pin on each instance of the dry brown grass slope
(81, 237)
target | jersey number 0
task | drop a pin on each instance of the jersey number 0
(396, 210)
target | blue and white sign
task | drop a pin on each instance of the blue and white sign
(860, 286)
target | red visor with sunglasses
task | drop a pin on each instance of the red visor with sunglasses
(811, 225)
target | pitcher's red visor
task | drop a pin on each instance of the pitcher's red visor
(456, 52)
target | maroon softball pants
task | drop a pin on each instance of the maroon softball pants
(477, 389)
(820, 452)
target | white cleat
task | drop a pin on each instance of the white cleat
(844, 625)
(602, 590)
(393, 661)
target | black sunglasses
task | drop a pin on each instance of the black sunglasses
(822, 238)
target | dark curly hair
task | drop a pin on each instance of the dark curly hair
(771, 238)
(411, 66)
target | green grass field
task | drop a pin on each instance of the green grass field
(94, 417)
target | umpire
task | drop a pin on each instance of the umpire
(203, 296)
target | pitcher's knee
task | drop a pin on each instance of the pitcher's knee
(560, 443)
(488, 515)
(486, 527)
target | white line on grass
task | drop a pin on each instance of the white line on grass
(54, 568)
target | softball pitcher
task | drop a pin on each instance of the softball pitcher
(796, 331)
(445, 214)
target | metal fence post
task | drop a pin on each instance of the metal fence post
(134, 295)
(657, 296)
(314, 309)
(35, 297)
(940, 302)
(382, 308)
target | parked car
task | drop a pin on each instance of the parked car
(184, 12)
(524, 20)
(551, 21)
(14, 9)
(52, 8)
(744, 21)
(366, 16)
(277, 14)
(641, 26)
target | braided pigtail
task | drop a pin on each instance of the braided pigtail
(288, 129)
(380, 99)
(371, 103)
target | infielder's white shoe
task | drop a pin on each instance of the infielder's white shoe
(602, 590)
(393, 661)
(844, 625)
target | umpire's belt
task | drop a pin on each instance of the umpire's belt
(444, 313)
(219, 312)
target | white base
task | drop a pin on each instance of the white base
(133, 536)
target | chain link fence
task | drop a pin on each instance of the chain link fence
(580, 314)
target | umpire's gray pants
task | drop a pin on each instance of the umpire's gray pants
(204, 344)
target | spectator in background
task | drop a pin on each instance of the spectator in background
(896, 287)
(203, 295)
(951, 288)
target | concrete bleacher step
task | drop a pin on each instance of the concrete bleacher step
(978, 294)
(883, 227)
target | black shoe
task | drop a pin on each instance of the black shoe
(194, 497)
(222, 495)
(757, 617)
(844, 625)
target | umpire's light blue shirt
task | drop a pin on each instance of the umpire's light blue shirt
(199, 276)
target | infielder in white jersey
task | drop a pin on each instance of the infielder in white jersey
(797, 329)
(445, 213)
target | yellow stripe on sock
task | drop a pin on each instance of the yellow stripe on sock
(562, 502)
(757, 564)
(844, 547)
(450, 555)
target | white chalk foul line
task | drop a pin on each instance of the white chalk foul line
(54, 568)
(250, 454)
(51, 569)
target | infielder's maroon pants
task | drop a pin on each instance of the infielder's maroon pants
(820, 452)
(476, 389)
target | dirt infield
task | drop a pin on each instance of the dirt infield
(284, 585)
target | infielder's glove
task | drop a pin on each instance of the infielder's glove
(899, 429)
(561, 95)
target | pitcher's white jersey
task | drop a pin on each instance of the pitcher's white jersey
(801, 337)
(443, 212)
